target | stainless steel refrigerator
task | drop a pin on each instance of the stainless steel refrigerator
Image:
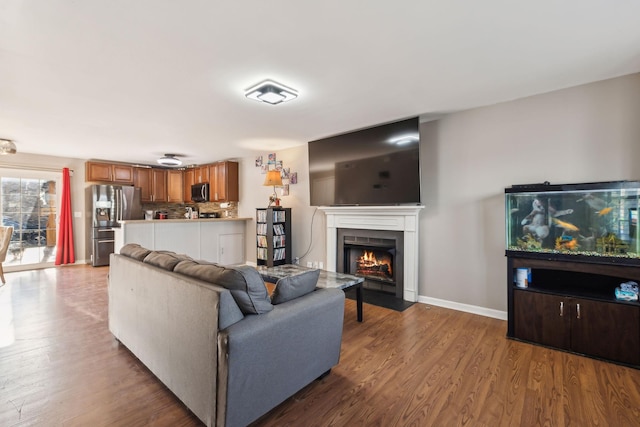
(111, 204)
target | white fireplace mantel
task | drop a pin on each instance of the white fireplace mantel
(394, 218)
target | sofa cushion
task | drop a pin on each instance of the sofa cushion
(295, 286)
(244, 283)
(135, 251)
(166, 260)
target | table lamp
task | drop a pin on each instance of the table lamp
(273, 178)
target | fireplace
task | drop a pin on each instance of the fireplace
(375, 255)
(401, 219)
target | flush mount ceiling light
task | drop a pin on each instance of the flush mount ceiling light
(169, 160)
(271, 92)
(7, 147)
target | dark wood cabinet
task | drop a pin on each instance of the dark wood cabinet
(273, 232)
(109, 172)
(571, 306)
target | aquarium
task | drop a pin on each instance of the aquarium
(595, 221)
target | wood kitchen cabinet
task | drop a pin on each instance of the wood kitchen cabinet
(142, 179)
(158, 185)
(223, 178)
(175, 186)
(109, 172)
(201, 174)
(188, 181)
(571, 306)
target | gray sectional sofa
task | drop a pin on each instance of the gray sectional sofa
(211, 334)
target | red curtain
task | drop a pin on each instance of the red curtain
(64, 250)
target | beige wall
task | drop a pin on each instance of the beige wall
(77, 191)
(582, 134)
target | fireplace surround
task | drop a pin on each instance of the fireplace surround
(403, 219)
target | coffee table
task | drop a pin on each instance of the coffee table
(327, 279)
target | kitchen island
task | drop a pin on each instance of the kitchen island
(219, 240)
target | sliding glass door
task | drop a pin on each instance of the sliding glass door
(28, 202)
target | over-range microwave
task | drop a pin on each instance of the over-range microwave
(200, 192)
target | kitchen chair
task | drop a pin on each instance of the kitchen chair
(5, 239)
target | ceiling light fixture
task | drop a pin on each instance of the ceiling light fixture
(271, 92)
(7, 147)
(169, 160)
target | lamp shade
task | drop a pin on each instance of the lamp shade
(273, 178)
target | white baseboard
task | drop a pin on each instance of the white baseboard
(482, 311)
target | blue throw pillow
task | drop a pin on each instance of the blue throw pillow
(292, 287)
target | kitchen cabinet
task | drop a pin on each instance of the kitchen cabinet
(571, 306)
(158, 185)
(108, 172)
(201, 174)
(223, 178)
(142, 179)
(189, 180)
(175, 186)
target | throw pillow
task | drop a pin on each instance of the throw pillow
(292, 287)
(243, 281)
(135, 251)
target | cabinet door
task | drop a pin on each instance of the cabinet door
(175, 186)
(142, 179)
(201, 174)
(100, 172)
(607, 330)
(231, 249)
(189, 176)
(159, 185)
(123, 174)
(224, 182)
(542, 318)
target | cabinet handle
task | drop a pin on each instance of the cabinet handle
(561, 308)
(578, 310)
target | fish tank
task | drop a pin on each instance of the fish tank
(594, 222)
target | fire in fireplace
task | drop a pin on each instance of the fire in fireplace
(375, 264)
(375, 255)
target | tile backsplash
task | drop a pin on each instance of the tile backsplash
(177, 210)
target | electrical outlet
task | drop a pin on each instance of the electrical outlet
(320, 265)
(315, 264)
(309, 264)
(296, 260)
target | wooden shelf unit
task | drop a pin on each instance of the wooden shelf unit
(273, 236)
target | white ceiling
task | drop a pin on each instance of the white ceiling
(130, 80)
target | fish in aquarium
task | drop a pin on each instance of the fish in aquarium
(566, 225)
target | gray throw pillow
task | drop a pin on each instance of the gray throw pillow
(292, 287)
(243, 281)
(135, 251)
(165, 259)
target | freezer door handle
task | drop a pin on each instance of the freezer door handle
(105, 241)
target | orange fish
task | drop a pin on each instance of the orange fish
(604, 211)
(566, 225)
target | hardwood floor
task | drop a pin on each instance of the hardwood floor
(427, 366)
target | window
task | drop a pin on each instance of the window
(28, 201)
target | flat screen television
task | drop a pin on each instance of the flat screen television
(374, 166)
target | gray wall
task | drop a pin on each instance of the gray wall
(582, 134)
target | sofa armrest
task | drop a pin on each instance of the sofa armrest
(264, 359)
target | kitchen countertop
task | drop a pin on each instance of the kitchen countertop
(183, 220)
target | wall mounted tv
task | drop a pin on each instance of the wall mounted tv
(373, 166)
